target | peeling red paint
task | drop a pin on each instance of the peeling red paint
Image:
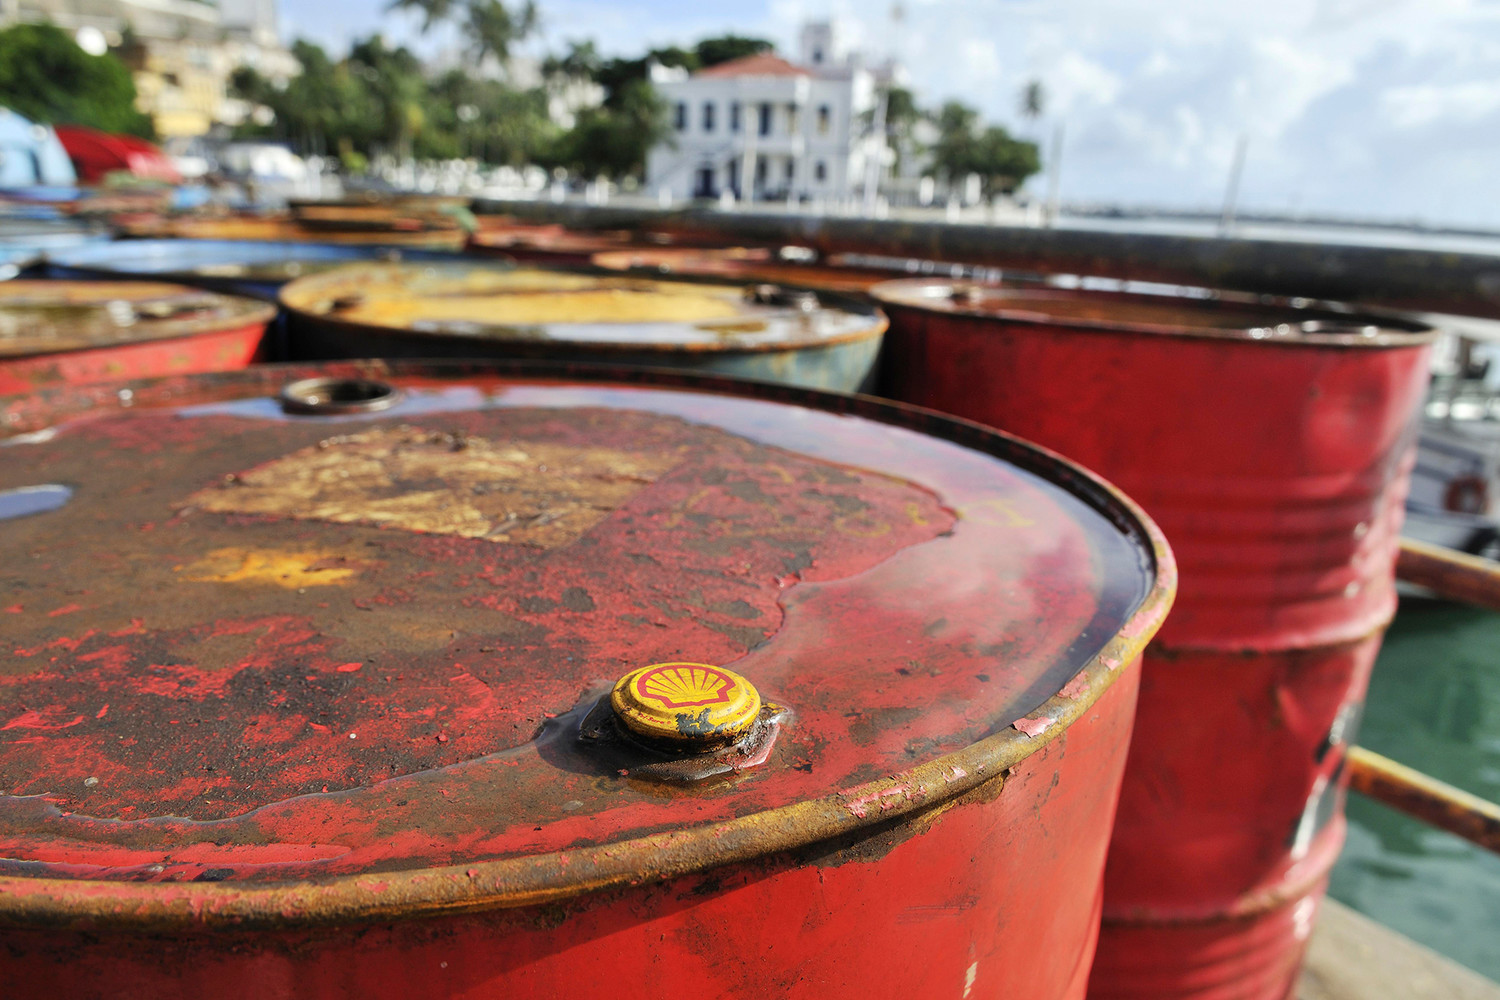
(1033, 727)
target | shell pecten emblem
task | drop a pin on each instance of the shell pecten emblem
(686, 706)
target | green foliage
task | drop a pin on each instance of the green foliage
(46, 77)
(1033, 100)
(485, 119)
(492, 27)
(378, 99)
(722, 49)
(1002, 161)
(612, 140)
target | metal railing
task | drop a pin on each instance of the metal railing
(1456, 577)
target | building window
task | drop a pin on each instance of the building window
(681, 116)
(734, 116)
(765, 119)
(791, 169)
(760, 170)
(820, 170)
(708, 116)
(825, 119)
(791, 119)
(817, 56)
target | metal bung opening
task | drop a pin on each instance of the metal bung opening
(338, 395)
(775, 295)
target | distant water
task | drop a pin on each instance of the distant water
(1380, 236)
(1434, 705)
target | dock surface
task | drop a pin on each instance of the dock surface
(1351, 957)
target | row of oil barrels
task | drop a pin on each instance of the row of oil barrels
(509, 663)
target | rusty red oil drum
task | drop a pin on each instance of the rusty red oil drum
(816, 340)
(75, 332)
(491, 680)
(282, 228)
(1273, 441)
(785, 266)
(548, 244)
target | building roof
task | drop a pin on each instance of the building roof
(761, 64)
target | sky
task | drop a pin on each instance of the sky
(1377, 109)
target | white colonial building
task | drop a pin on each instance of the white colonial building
(762, 128)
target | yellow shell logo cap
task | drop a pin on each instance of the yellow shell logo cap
(689, 706)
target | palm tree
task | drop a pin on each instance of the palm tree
(1033, 101)
(492, 27)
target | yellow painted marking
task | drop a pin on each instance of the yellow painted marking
(274, 566)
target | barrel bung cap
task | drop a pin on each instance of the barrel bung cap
(687, 706)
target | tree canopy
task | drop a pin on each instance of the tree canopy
(1002, 161)
(379, 99)
(491, 27)
(46, 77)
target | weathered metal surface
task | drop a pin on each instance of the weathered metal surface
(293, 711)
(1438, 280)
(1428, 799)
(745, 264)
(405, 214)
(62, 331)
(1456, 576)
(257, 268)
(283, 229)
(546, 244)
(1273, 442)
(481, 311)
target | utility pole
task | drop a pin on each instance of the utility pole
(1232, 192)
(1054, 176)
(875, 164)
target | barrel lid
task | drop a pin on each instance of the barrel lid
(280, 228)
(248, 647)
(744, 264)
(595, 310)
(43, 317)
(226, 260)
(1183, 313)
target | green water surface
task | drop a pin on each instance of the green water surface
(1434, 705)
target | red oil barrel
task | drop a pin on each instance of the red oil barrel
(430, 310)
(284, 229)
(76, 332)
(745, 264)
(477, 681)
(1273, 443)
(547, 244)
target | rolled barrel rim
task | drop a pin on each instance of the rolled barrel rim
(513, 336)
(1396, 330)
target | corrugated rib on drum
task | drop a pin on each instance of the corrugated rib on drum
(337, 746)
(1276, 457)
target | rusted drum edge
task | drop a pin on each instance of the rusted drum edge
(256, 268)
(524, 881)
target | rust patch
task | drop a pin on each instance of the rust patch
(522, 492)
